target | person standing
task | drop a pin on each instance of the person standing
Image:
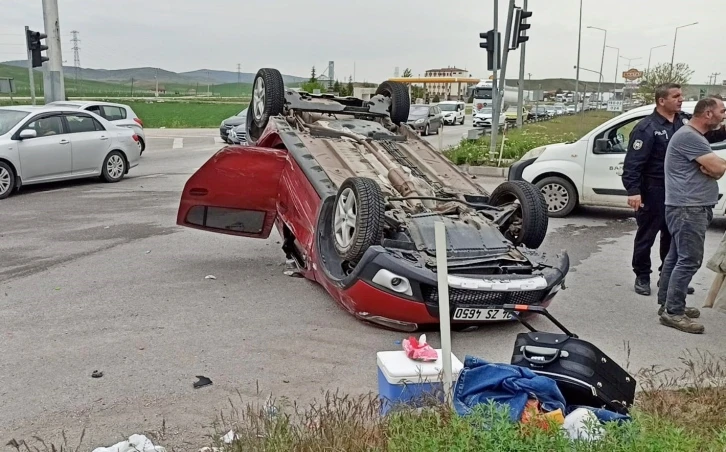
(643, 178)
(691, 172)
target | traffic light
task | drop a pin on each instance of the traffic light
(490, 38)
(35, 47)
(519, 27)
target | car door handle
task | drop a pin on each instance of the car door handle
(104, 137)
(64, 141)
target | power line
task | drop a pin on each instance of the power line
(76, 56)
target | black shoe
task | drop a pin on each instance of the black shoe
(642, 286)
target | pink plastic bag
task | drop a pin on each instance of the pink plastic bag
(419, 350)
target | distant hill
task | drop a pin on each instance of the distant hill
(149, 74)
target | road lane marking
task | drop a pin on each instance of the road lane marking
(178, 143)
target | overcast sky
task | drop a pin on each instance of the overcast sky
(372, 36)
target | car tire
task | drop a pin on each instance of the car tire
(142, 145)
(360, 203)
(7, 180)
(528, 225)
(268, 96)
(114, 167)
(559, 194)
(400, 100)
(426, 131)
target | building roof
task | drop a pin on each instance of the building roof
(447, 69)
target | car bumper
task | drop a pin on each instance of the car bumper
(224, 132)
(415, 300)
(517, 169)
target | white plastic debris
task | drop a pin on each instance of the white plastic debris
(210, 277)
(135, 443)
(229, 437)
(584, 425)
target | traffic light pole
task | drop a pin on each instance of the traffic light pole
(495, 84)
(520, 94)
(30, 68)
(54, 86)
(502, 85)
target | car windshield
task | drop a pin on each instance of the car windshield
(485, 110)
(418, 111)
(9, 119)
(447, 107)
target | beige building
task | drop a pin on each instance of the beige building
(447, 91)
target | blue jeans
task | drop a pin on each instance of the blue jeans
(688, 226)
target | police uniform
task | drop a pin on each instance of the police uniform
(643, 174)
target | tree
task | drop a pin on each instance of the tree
(349, 88)
(663, 73)
(313, 79)
(436, 99)
(407, 73)
(337, 87)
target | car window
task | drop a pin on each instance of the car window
(47, 126)
(95, 109)
(82, 123)
(619, 136)
(113, 113)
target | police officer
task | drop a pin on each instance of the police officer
(643, 178)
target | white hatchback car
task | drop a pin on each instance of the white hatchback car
(49, 144)
(119, 114)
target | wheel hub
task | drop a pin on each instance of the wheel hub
(346, 213)
(4, 181)
(115, 166)
(556, 196)
(258, 98)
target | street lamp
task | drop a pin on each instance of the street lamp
(602, 59)
(673, 53)
(617, 61)
(650, 53)
(599, 80)
(630, 59)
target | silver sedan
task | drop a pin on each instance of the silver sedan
(49, 144)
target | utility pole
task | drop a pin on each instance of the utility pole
(239, 73)
(520, 94)
(156, 77)
(30, 68)
(76, 56)
(55, 89)
(207, 83)
(577, 72)
(132, 87)
(495, 85)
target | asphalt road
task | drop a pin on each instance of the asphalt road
(97, 276)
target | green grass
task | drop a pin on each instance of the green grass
(184, 114)
(519, 141)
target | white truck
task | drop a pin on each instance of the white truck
(483, 99)
(587, 171)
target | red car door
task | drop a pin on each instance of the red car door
(235, 192)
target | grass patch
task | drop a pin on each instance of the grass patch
(519, 141)
(184, 114)
(676, 410)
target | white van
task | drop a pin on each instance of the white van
(587, 171)
(453, 111)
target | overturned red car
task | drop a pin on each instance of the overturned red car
(355, 193)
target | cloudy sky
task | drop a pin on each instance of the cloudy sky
(372, 37)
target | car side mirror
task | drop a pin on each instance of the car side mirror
(28, 133)
(602, 145)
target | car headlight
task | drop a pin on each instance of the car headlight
(392, 281)
(534, 153)
(419, 121)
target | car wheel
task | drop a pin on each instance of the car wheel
(114, 167)
(462, 120)
(400, 100)
(358, 217)
(426, 131)
(528, 225)
(268, 96)
(560, 195)
(7, 180)
(142, 145)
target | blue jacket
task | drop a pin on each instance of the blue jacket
(506, 384)
(481, 382)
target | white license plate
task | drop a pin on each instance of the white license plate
(478, 315)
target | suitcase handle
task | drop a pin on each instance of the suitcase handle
(553, 354)
(517, 308)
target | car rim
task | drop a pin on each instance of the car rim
(556, 196)
(115, 166)
(138, 143)
(345, 215)
(259, 98)
(4, 181)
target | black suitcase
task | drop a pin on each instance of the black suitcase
(583, 373)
